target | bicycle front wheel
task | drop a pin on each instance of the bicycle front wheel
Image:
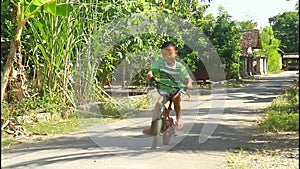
(156, 126)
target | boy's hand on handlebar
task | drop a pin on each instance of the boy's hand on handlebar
(149, 75)
(189, 83)
(189, 86)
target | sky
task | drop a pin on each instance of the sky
(257, 10)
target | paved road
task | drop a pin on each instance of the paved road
(121, 145)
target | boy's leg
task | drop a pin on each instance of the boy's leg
(177, 107)
(157, 108)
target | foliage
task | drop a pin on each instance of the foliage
(286, 29)
(270, 49)
(8, 26)
(111, 111)
(246, 25)
(33, 106)
(24, 11)
(7, 142)
(141, 104)
(281, 122)
(66, 63)
(225, 37)
(283, 114)
(53, 49)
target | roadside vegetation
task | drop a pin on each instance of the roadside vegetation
(277, 144)
(283, 114)
(42, 129)
(39, 124)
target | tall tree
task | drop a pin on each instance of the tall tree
(269, 49)
(225, 37)
(286, 29)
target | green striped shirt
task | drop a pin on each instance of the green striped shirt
(174, 76)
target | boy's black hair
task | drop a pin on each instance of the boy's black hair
(169, 43)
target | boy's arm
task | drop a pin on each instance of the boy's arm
(186, 77)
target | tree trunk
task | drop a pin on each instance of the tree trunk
(14, 47)
(9, 63)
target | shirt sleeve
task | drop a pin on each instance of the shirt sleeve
(155, 68)
(183, 73)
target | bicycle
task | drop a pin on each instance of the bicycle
(164, 124)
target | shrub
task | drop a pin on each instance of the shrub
(54, 105)
(283, 114)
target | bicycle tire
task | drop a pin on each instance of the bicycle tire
(156, 127)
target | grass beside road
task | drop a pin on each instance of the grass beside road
(283, 114)
(61, 127)
(42, 128)
(41, 131)
(227, 84)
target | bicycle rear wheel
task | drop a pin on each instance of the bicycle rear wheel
(168, 133)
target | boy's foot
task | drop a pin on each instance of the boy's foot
(147, 131)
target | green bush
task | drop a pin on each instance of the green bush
(283, 121)
(109, 110)
(283, 114)
(54, 105)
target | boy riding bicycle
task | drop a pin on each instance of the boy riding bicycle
(170, 72)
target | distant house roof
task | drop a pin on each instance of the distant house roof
(291, 56)
(251, 38)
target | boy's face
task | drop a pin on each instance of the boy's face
(169, 53)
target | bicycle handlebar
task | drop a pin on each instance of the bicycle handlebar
(178, 89)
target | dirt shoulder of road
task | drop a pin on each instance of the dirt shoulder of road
(267, 150)
(26, 140)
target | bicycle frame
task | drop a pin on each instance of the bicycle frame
(160, 125)
(165, 113)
